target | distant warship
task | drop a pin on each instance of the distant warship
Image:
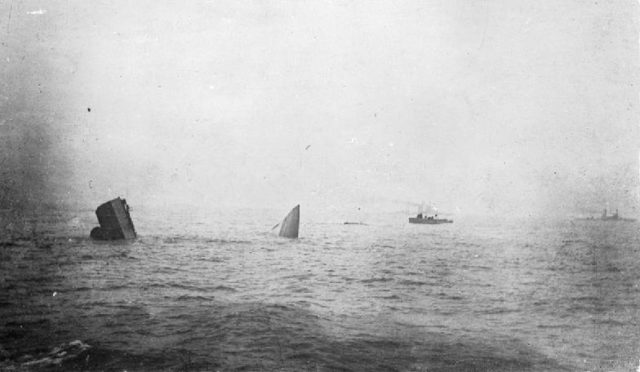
(429, 220)
(424, 218)
(115, 221)
(606, 217)
(614, 217)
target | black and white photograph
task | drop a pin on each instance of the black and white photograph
(320, 185)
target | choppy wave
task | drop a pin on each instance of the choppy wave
(463, 297)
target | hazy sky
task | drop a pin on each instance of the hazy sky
(475, 106)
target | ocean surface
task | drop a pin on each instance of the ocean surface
(196, 292)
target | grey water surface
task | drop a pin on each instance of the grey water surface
(225, 293)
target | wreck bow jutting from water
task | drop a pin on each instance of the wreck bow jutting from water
(115, 221)
(291, 224)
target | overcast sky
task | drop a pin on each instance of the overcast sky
(474, 106)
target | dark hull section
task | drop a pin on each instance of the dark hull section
(427, 221)
(115, 221)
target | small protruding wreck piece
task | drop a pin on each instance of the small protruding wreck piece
(290, 225)
(115, 221)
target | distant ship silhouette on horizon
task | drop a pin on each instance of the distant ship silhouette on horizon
(607, 217)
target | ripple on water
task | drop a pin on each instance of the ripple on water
(342, 299)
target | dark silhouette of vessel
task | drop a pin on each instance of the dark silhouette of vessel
(614, 217)
(606, 217)
(429, 220)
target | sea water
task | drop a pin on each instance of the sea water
(196, 292)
